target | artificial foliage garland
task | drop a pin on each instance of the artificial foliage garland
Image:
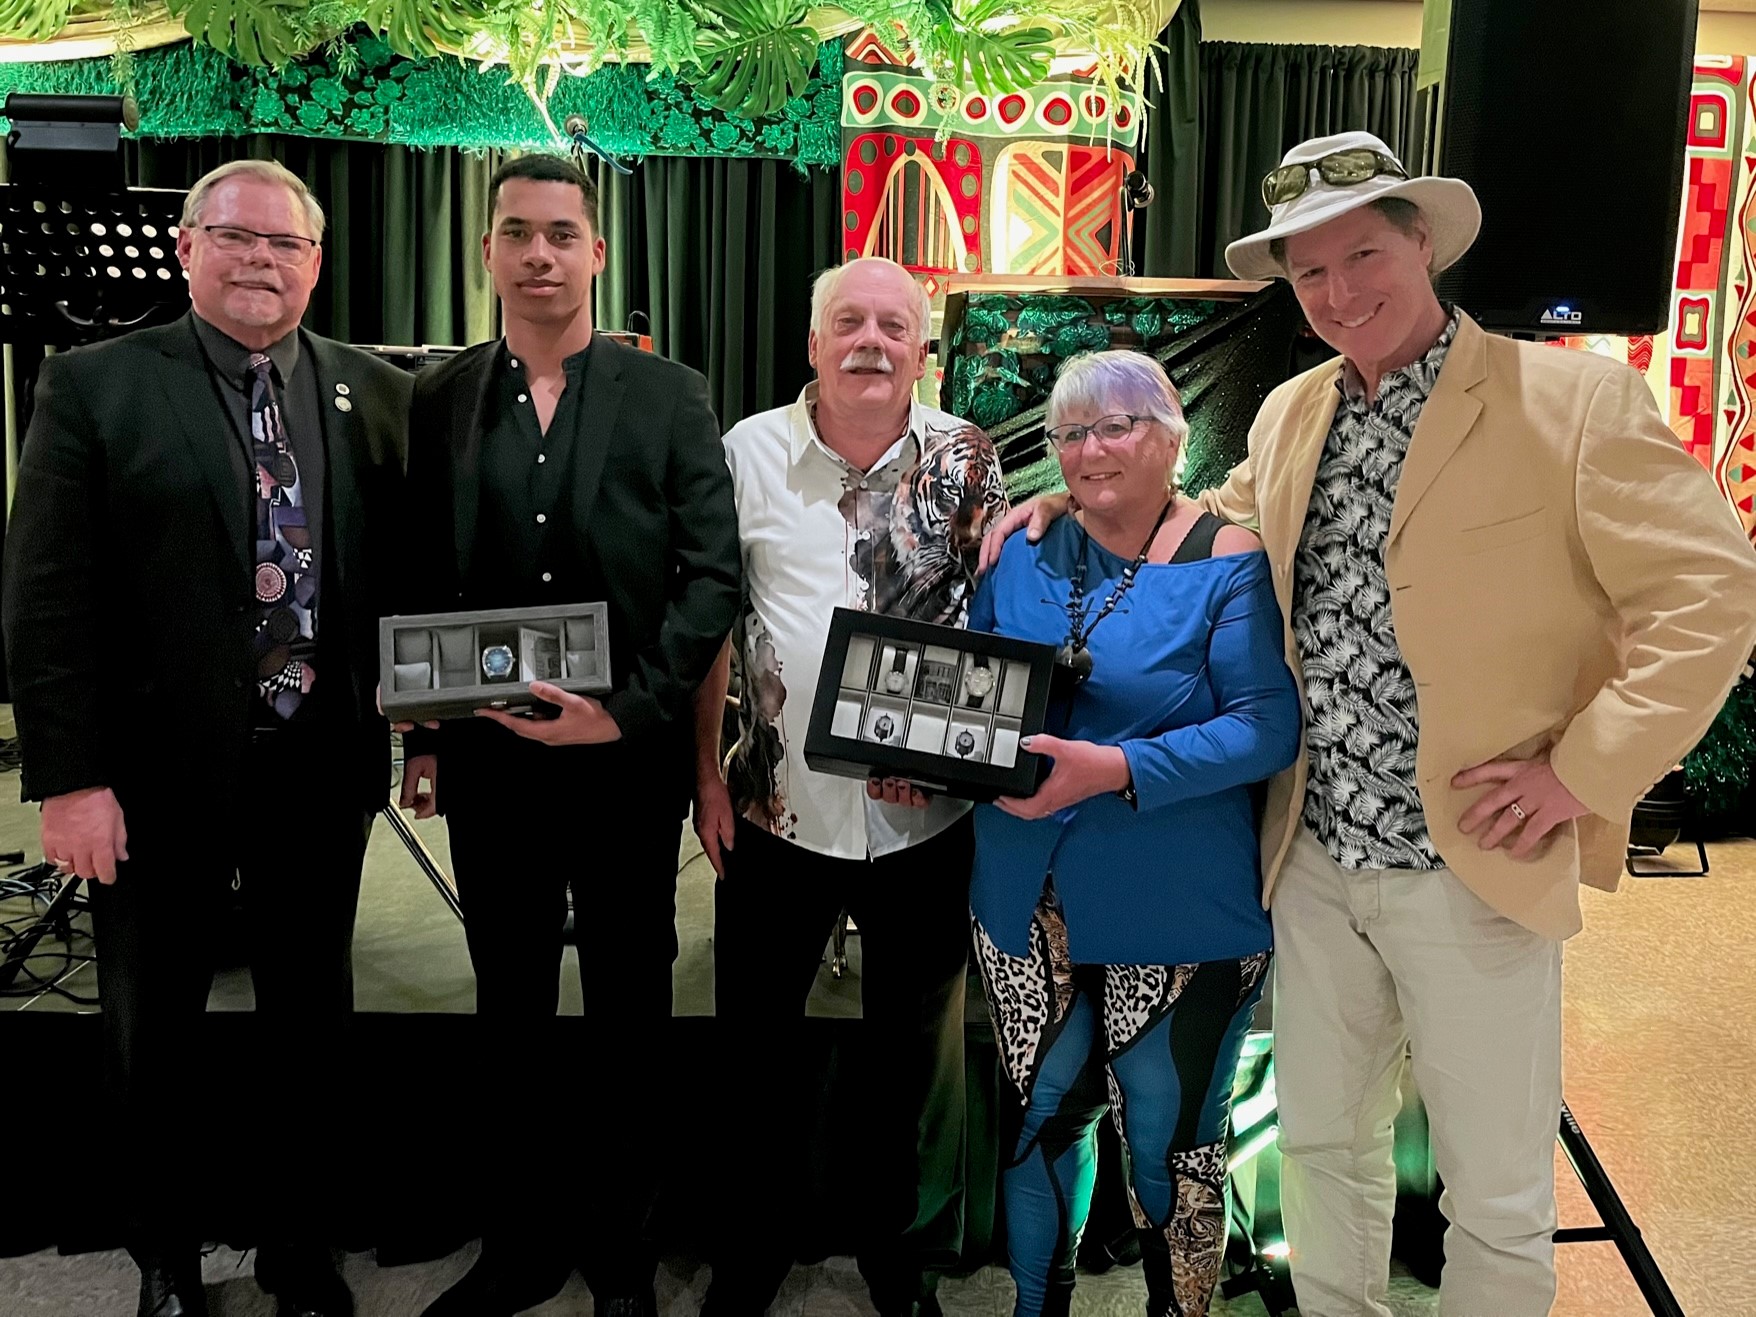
(1719, 773)
(747, 57)
(360, 89)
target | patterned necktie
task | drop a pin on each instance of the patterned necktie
(286, 588)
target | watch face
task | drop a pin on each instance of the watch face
(893, 682)
(979, 682)
(498, 662)
(884, 728)
(964, 743)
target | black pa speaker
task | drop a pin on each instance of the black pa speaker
(1568, 119)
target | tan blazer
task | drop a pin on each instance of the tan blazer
(1562, 574)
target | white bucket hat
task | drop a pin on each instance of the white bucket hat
(1449, 206)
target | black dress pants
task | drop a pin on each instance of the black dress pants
(774, 912)
(572, 1143)
(170, 1104)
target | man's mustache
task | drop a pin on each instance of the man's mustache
(867, 359)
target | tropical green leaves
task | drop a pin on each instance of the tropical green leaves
(420, 27)
(34, 20)
(746, 57)
(756, 55)
(987, 41)
(251, 31)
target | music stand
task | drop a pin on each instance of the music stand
(76, 267)
(82, 257)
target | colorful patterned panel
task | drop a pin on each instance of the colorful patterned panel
(1052, 209)
(1701, 242)
(1733, 458)
(873, 98)
(1692, 412)
(1689, 325)
(868, 47)
(930, 176)
(914, 200)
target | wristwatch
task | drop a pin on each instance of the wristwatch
(978, 682)
(498, 662)
(894, 679)
(883, 728)
(964, 743)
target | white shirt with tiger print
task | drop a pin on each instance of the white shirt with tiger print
(817, 534)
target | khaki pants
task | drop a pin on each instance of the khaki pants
(1372, 963)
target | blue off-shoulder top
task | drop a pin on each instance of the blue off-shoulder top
(1189, 677)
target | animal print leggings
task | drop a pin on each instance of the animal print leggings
(1165, 1040)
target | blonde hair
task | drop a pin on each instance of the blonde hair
(824, 289)
(266, 171)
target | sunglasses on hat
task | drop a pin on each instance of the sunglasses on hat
(1342, 169)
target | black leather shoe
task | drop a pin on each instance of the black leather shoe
(303, 1280)
(644, 1304)
(172, 1291)
(493, 1288)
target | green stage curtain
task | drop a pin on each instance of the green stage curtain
(1222, 114)
(718, 256)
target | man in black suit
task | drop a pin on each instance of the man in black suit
(193, 580)
(558, 466)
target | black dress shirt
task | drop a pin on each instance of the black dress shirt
(527, 547)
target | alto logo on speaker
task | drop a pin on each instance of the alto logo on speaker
(1561, 315)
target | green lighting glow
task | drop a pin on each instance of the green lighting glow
(1251, 1146)
(1254, 1108)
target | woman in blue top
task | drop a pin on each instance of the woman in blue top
(1118, 918)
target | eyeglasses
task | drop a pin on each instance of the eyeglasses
(1107, 429)
(286, 248)
(1342, 169)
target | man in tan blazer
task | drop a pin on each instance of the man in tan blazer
(1514, 603)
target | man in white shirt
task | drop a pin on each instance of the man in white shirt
(854, 496)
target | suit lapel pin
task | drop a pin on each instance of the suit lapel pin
(343, 403)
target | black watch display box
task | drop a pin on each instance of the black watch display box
(942, 707)
(447, 665)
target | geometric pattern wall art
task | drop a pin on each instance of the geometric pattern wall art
(1053, 209)
(1702, 368)
(943, 179)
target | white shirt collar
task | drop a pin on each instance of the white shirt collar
(802, 431)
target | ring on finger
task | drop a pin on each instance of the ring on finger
(1517, 812)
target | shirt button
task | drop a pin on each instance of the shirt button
(862, 484)
(515, 363)
(541, 518)
(541, 458)
(548, 576)
(524, 397)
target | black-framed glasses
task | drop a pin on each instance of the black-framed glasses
(1107, 429)
(1339, 169)
(286, 248)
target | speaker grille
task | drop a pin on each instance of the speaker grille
(1568, 120)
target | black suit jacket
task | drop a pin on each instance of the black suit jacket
(129, 599)
(653, 509)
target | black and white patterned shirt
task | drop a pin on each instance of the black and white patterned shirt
(1362, 800)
